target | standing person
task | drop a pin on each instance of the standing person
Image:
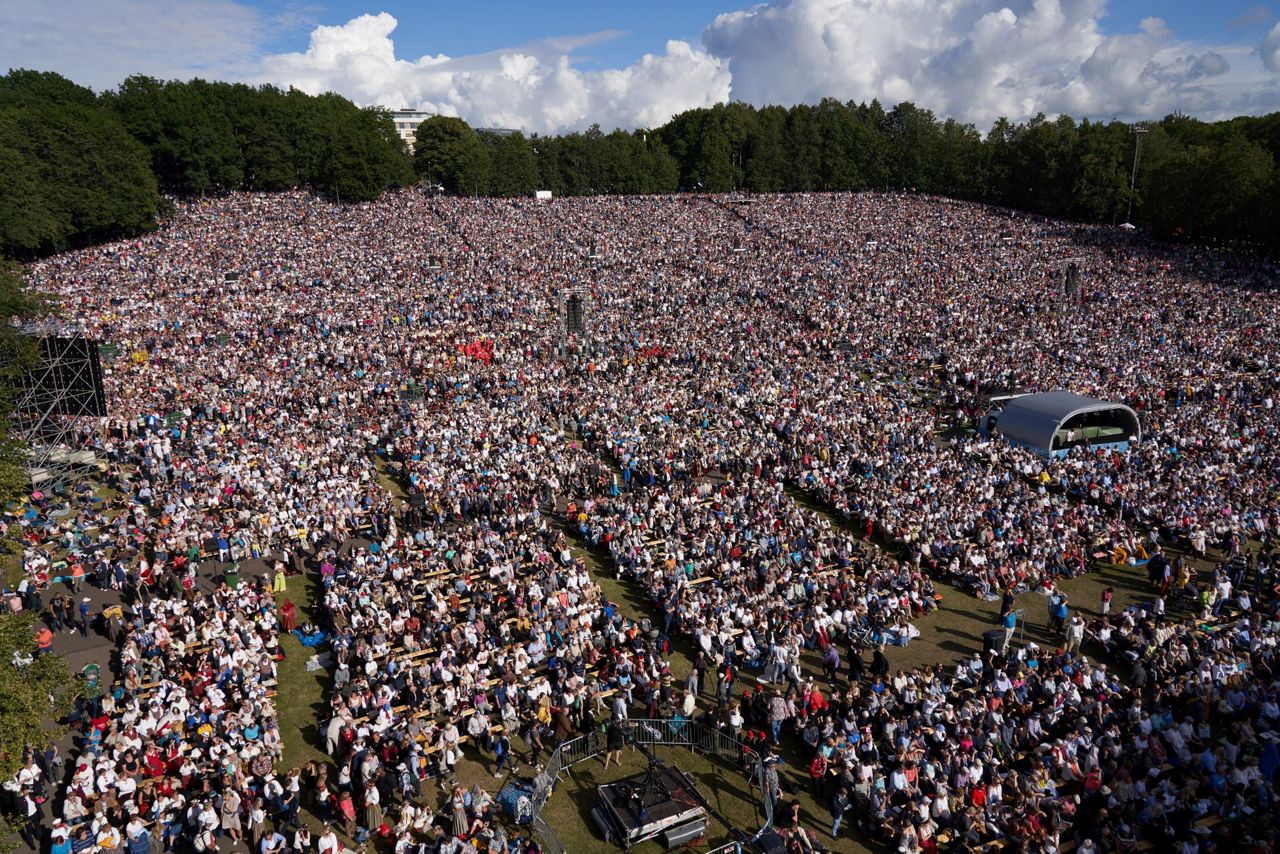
(69, 613)
(86, 616)
(614, 740)
(1010, 622)
(503, 753)
(55, 612)
(347, 812)
(818, 773)
(458, 812)
(772, 785)
(44, 640)
(257, 824)
(831, 663)
(372, 807)
(879, 664)
(1075, 634)
(1105, 607)
(777, 714)
(231, 815)
(839, 806)
(29, 829)
(1060, 615)
(856, 664)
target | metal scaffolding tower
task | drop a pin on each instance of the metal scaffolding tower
(61, 390)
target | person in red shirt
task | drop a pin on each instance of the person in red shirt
(817, 773)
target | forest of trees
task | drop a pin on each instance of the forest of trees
(76, 167)
(1198, 180)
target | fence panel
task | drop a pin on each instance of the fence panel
(672, 732)
(546, 838)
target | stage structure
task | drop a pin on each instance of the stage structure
(1072, 290)
(661, 795)
(663, 801)
(62, 388)
(575, 314)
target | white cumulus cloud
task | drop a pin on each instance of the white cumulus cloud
(977, 60)
(533, 87)
(974, 60)
(1269, 49)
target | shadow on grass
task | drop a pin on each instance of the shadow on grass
(725, 789)
(301, 704)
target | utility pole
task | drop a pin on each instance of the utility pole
(1138, 131)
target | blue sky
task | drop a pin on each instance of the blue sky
(558, 65)
(478, 26)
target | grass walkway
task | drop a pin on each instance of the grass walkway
(949, 634)
(300, 696)
(952, 632)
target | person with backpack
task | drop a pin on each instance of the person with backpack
(504, 755)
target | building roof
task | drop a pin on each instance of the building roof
(1032, 419)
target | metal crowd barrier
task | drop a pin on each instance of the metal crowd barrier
(669, 732)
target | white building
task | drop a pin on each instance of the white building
(407, 122)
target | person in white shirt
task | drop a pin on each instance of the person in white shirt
(327, 842)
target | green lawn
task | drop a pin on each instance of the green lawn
(10, 567)
(949, 633)
(301, 696)
(726, 789)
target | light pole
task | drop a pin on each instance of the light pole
(1138, 131)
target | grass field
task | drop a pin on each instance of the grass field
(951, 632)
(727, 790)
(301, 696)
(10, 567)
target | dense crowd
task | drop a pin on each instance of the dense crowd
(385, 395)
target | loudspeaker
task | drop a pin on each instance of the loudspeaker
(993, 640)
(573, 314)
(678, 836)
(1073, 280)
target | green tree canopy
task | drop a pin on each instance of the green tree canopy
(72, 169)
(448, 152)
(69, 173)
(514, 165)
(31, 697)
(17, 355)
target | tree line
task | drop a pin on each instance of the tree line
(76, 167)
(1194, 179)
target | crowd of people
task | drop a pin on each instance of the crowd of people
(386, 395)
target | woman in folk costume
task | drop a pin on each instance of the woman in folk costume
(458, 811)
(372, 807)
